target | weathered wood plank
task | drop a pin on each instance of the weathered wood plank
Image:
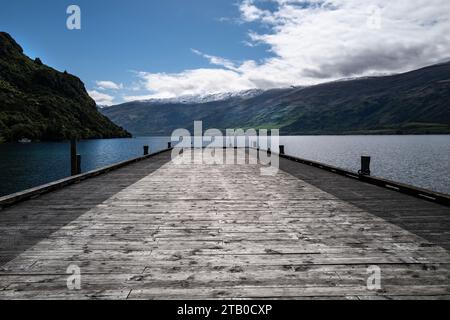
(157, 229)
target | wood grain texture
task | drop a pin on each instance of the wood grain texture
(160, 230)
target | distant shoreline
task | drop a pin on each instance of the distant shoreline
(283, 135)
(327, 134)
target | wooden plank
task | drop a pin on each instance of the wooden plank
(160, 230)
(21, 196)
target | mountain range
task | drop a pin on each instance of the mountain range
(191, 99)
(416, 102)
(40, 103)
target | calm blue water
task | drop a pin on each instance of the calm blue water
(24, 166)
(423, 161)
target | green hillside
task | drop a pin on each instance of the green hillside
(40, 103)
(416, 102)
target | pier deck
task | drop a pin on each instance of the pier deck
(159, 230)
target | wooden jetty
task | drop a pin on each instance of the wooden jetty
(155, 229)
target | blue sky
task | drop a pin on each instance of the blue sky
(141, 49)
(118, 37)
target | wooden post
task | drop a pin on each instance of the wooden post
(281, 149)
(365, 166)
(78, 164)
(73, 157)
(169, 145)
(146, 150)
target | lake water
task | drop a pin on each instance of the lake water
(24, 166)
(423, 161)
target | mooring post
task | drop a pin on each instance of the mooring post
(281, 149)
(146, 150)
(73, 157)
(365, 166)
(169, 145)
(269, 152)
(78, 163)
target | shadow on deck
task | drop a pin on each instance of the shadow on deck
(29, 222)
(428, 220)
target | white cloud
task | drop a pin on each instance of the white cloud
(321, 40)
(250, 12)
(108, 85)
(227, 64)
(193, 82)
(101, 99)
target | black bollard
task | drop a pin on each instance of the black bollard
(365, 166)
(281, 149)
(146, 150)
(73, 157)
(169, 145)
(78, 164)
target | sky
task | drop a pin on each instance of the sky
(144, 49)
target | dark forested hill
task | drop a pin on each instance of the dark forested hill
(413, 102)
(40, 103)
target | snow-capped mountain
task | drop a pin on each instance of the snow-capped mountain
(192, 99)
(415, 102)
